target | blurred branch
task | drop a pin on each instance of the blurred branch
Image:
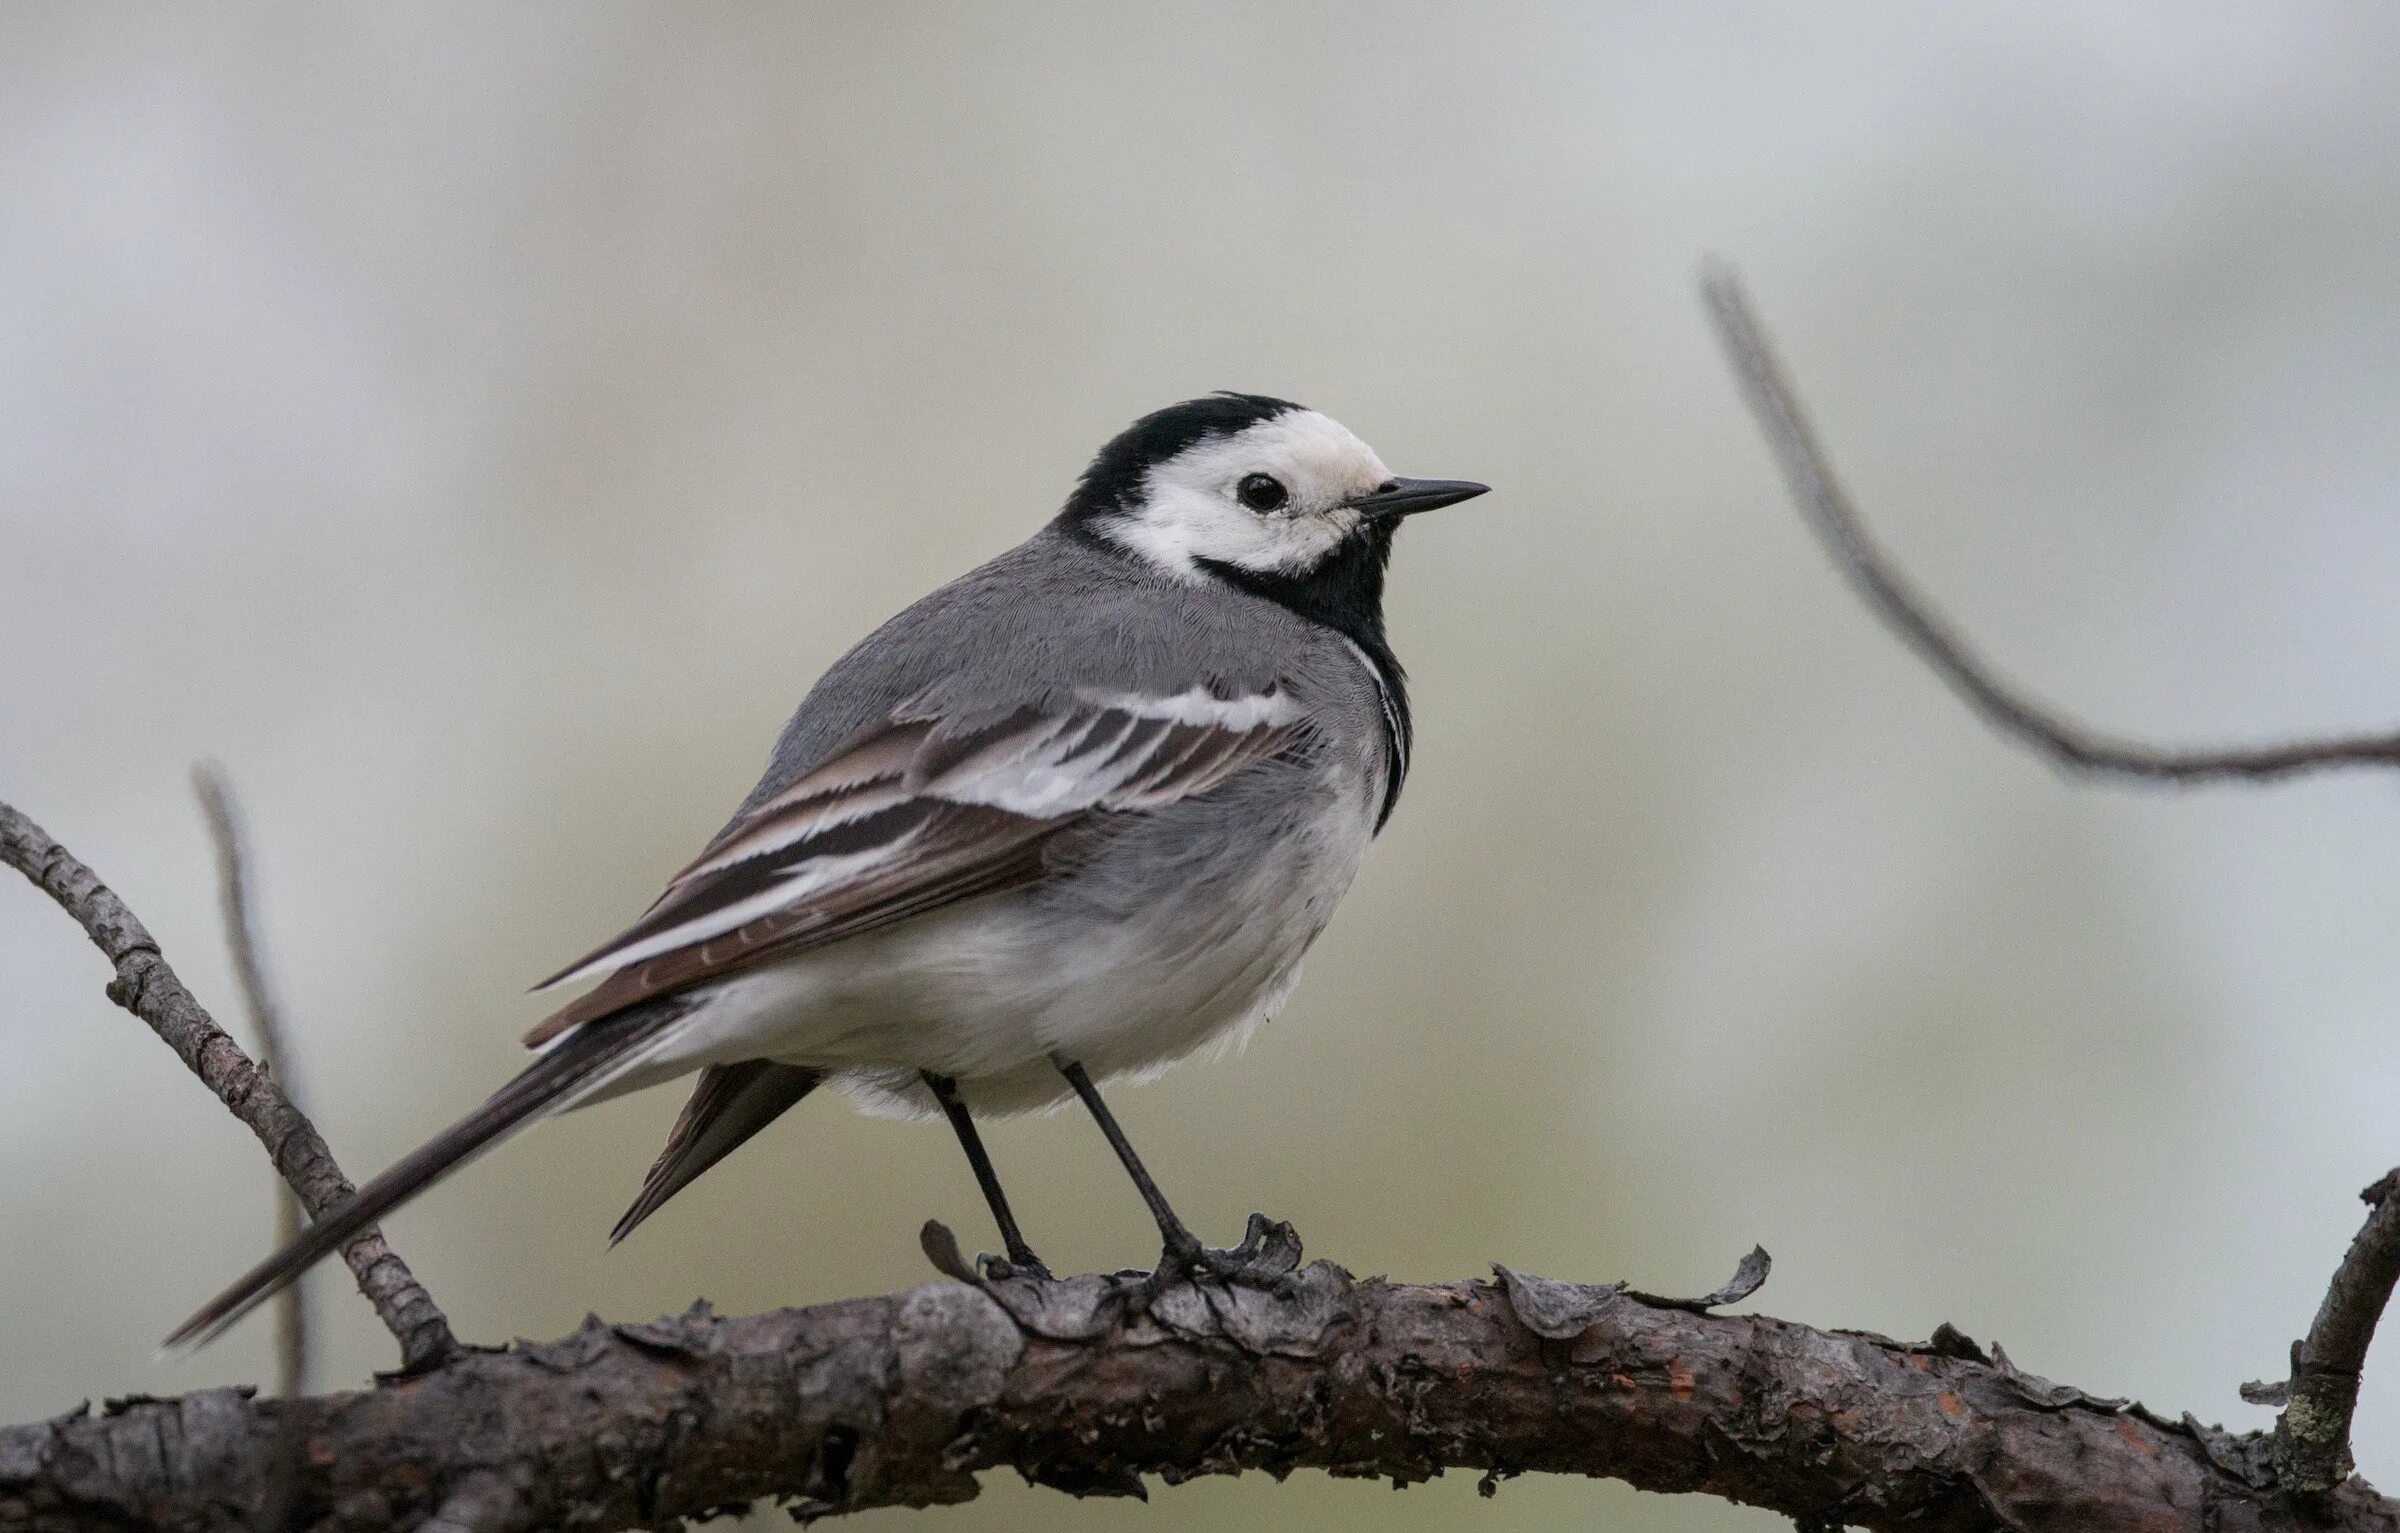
(1089, 1384)
(2312, 1436)
(1908, 614)
(235, 904)
(146, 986)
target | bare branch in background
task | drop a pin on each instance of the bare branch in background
(147, 986)
(2312, 1437)
(1921, 627)
(236, 903)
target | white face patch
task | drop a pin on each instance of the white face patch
(1191, 508)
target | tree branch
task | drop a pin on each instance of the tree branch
(2312, 1436)
(147, 986)
(1086, 1385)
(1833, 518)
(242, 941)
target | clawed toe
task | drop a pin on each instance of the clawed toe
(1269, 1252)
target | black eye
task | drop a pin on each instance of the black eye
(1262, 492)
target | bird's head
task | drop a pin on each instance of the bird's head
(1251, 489)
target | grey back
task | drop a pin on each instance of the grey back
(1056, 614)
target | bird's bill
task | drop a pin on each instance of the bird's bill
(1407, 497)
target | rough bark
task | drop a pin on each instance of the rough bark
(1088, 1384)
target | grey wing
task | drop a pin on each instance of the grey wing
(1041, 622)
(918, 813)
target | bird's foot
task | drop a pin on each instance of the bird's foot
(1269, 1253)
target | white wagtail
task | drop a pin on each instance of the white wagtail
(1072, 816)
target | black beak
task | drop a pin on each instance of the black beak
(1406, 497)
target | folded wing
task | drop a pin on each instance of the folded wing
(916, 814)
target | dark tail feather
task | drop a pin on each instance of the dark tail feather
(540, 1087)
(731, 1103)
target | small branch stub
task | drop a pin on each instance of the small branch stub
(2312, 1436)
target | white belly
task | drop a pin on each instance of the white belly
(988, 991)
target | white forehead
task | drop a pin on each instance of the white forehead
(1318, 459)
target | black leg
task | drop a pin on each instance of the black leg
(1020, 1255)
(1183, 1248)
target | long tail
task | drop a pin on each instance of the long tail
(731, 1103)
(584, 1061)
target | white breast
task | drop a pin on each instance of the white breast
(987, 991)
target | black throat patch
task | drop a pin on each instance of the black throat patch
(1345, 594)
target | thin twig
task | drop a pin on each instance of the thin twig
(147, 986)
(2001, 703)
(236, 904)
(2312, 1436)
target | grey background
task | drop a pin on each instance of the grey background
(477, 425)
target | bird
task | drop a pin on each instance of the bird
(1068, 819)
